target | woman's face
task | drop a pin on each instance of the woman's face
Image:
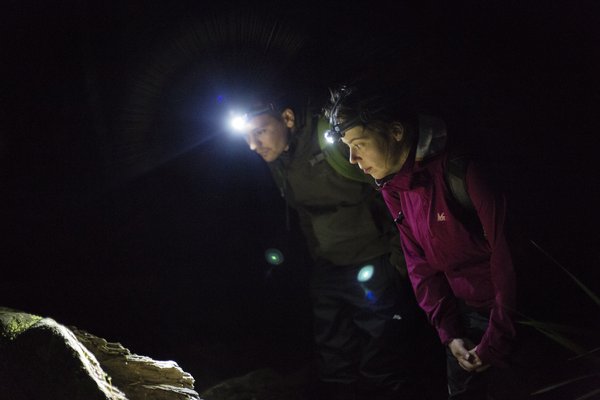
(374, 155)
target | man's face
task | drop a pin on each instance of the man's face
(268, 136)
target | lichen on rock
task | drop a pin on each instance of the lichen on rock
(13, 323)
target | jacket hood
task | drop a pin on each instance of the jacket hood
(431, 142)
(432, 137)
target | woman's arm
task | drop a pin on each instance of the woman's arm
(491, 209)
(431, 289)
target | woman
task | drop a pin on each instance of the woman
(462, 273)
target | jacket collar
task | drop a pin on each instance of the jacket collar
(431, 142)
(402, 179)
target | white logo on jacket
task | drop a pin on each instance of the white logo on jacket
(441, 217)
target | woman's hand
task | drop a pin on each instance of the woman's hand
(465, 353)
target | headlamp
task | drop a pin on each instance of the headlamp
(239, 122)
(338, 129)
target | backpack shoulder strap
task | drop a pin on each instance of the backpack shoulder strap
(456, 179)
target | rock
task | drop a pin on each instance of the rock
(42, 359)
(12, 323)
(140, 377)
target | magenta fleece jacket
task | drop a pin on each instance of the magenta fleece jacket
(446, 261)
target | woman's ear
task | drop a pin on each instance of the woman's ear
(289, 118)
(397, 131)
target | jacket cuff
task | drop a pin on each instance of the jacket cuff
(446, 336)
(487, 356)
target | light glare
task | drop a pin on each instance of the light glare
(238, 123)
(365, 273)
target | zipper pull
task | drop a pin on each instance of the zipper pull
(399, 218)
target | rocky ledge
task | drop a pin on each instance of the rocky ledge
(40, 358)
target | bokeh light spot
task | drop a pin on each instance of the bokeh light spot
(365, 273)
(274, 256)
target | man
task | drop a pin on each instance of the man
(365, 315)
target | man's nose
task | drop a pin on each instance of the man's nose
(252, 142)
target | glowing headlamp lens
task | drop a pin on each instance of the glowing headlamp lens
(338, 131)
(330, 136)
(239, 122)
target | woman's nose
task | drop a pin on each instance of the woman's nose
(352, 157)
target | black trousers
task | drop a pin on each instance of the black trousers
(494, 383)
(366, 324)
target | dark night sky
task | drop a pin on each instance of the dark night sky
(129, 211)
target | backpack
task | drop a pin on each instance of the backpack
(455, 173)
(455, 176)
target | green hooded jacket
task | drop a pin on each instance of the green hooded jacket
(344, 220)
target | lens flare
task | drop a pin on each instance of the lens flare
(365, 273)
(274, 256)
(370, 296)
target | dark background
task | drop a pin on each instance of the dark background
(129, 210)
